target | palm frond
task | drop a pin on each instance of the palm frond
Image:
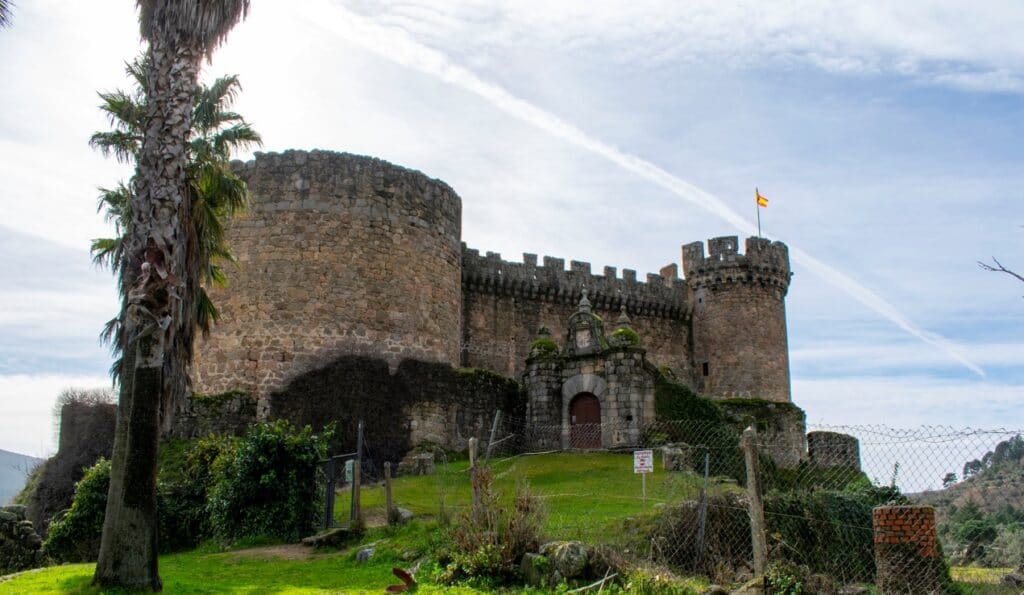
(205, 22)
(111, 329)
(237, 137)
(124, 112)
(105, 252)
(124, 146)
(206, 313)
(5, 13)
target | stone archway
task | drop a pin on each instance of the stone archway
(585, 421)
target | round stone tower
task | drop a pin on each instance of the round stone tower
(337, 254)
(739, 318)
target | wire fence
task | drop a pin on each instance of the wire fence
(921, 510)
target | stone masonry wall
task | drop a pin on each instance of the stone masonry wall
(832, 449)
(739, 318)
(506, 302)
(337, 254)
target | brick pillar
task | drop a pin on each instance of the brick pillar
(908, 558)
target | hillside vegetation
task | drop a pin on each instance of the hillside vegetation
(981, 517)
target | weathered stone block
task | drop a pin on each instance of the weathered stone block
(417, 464)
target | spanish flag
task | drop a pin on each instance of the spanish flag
(761, 201)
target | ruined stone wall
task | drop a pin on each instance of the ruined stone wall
(337, 254)
(506, 302)
(832, 449)
(418, 404)
(86, 434)
(739, 318)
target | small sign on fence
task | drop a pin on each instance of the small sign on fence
(643, 461)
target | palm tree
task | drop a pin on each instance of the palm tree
(153, 272)
(216, 193)
(5, 13)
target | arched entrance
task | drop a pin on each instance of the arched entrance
(585, 421)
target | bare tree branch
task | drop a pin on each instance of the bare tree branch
(999, 268)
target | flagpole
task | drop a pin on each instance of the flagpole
(758, 208)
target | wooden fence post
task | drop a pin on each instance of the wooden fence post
(357, 512)
(472, 474)
(357, 473)
(387, 494)
(757, 528)
(331, 472)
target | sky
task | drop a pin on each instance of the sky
(885, 135)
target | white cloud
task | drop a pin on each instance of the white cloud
(973, 46)
(397, 46)
(910, 401)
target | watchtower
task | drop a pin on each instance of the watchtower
(739, 317)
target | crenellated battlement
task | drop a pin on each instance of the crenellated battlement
(662, 295)
(764, 262)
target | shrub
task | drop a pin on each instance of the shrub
(784, 579)
(544, 349)
(75, 536)
(267, 485)
(182, 489)
(1008, 548)
(672, 533)
(674, 401)
(485, 544)
(625, 336)
(186, 476)
(827, 531)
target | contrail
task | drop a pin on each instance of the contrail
(399, 47)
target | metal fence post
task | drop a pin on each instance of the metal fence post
(757, 532)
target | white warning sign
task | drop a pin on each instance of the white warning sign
(643, 461)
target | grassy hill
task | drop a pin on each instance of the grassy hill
(14, 469)
(587, 495)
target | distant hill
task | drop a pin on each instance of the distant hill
(992, 483)
(14, 469)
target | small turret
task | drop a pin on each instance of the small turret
(740, 348)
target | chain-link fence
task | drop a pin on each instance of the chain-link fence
(870, 507)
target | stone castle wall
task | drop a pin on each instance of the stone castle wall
(505, 303)
(739, 318)
(337, 254)
(342, 255)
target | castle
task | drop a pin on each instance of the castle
(343, 256)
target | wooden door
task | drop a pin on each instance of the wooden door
(585, 421)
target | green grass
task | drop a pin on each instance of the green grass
(982, 581)
(240, 571)
(587, 495)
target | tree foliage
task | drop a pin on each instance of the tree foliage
(267, 486)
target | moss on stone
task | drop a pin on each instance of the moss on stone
(625, 336)
(675, 401)
(544, 349)
(217, 400)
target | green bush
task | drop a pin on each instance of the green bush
(75, 536)
(625, 336)
(674, 401)
(544, 349)
(485, 544)
(267, 485)
(186, 476)
(827, 531)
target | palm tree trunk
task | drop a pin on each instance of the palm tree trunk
(155, 272)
